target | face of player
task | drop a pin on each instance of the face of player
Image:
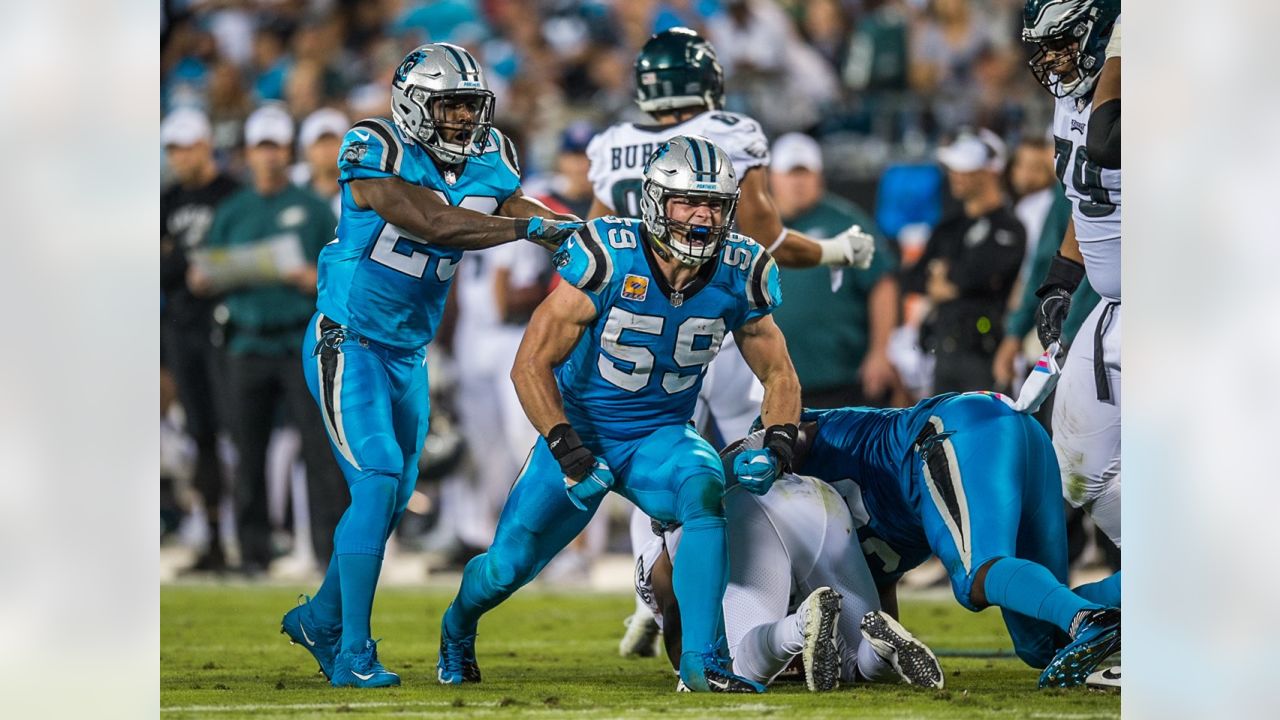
(693, 211)
(1060, 59)
(267, 161)
(455, 117)
(188, 162)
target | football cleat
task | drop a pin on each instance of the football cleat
(641, 638)
(1108, 678)
(1095, 636)
(456, 663)
(708, 672)
(913, 660)
(362, 669)
(819, 616)
(320, 641)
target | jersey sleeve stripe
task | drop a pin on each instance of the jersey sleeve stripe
(600, 268)
(391, 161)
(508, 153)
(756, 295)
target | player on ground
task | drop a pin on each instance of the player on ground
(680, 84)
(609, 371)
(1071, 38)
(796, 541)
(969, 479)
(416, 192)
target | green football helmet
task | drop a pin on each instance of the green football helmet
(1071, 38)
(677, 68)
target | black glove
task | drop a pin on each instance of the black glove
(781, 439)
(1055, 297)
(575, 459)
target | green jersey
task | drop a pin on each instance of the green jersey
(267, 319)
(827, 332)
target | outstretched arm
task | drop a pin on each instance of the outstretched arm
(759, 219)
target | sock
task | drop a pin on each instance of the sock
(1025, 587)
(1105, 592)
(872, 667)
(766, 649)
(326, 605)
(699, 577)
(359, 581)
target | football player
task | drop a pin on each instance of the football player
(1071, 37)
(417, 190)
(680, 84)
(975, 482)
(609, 372)
(796, 541)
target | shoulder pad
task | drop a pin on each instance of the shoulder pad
(739, 136)
(371, 148)
(760, 276)
(506, 150)
(588, 258)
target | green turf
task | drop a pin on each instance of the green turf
(553, 655)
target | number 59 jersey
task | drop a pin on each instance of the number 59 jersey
(1094, 193)
(640, 363)
(380, 280)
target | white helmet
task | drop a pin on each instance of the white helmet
(431, 74)
(690, 167)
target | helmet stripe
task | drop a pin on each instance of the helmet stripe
(697, 158)
(715, 159)
(463, 66)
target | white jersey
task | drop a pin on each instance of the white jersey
(1094, 193)
(808, 516)
(617, 155)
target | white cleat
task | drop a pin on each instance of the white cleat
(642, 636)
(1108, 678)
(819, 618)
(913, 660)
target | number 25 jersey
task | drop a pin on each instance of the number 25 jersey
(380, 280)
(640, 363)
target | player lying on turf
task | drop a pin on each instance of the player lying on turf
(608, 372)
(971, 480)
(796, 541)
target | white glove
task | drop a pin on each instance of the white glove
(851, 248)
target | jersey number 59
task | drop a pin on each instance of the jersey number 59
(693, 331)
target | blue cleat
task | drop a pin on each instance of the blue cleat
(1094, 637)
(709, 672)
(362, 669)
(457, 662)
(320, 641)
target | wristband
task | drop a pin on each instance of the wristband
(562, 440)
(833, 252)
(1063, 273)
(781, 440)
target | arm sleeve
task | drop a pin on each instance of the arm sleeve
(1103, 141)
(585, 261)
(370, 149)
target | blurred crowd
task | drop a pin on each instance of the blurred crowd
(917, 119)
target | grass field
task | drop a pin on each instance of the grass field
(553, 655)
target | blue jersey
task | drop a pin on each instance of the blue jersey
(381, 280)
(640, 363)
(875, 448)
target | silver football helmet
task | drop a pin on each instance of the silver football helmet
(439, 98)
(687, 167)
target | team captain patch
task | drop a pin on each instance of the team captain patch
(635, 287)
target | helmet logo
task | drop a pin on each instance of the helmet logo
(412, 59)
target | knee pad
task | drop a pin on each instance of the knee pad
(509, 569)
(365, 524)
(700, 496)
(1084, 481)
(380, 454)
